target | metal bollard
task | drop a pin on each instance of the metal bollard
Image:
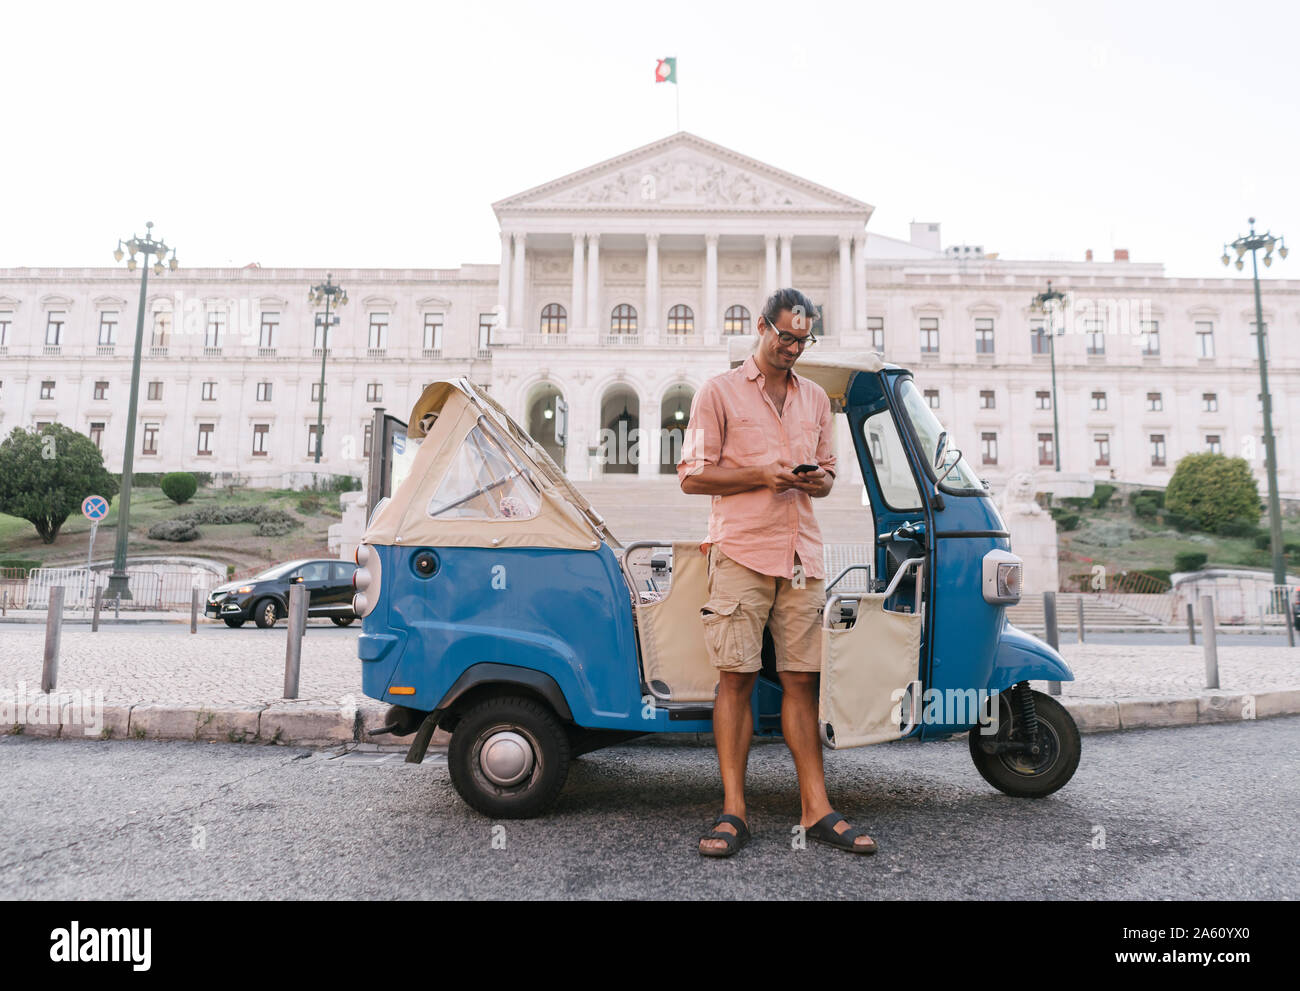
(1053, 635)
(117, 606)
(1261, 617)
(1191, 626)
(1289, 615)
(4, 603)
(293, 648)
(1211, 647)
(53, 628)
(1079, 600)
(194, 610)
(94, 616)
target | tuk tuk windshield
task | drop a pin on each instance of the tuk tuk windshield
(929, 431)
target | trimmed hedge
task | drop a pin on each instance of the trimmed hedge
(178, 486)
(179, 531)
(1101, 495)
(1145, 507)
(1190, 560)
(1237, 528)
(270, 522)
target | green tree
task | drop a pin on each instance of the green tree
(45, 475)
(1211, 489)
(178, 486)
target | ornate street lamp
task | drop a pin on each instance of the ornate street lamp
(328, 293)
(144, 246)
(1253, 242)
(1046, 303)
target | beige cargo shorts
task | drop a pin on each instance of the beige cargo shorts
(741, 602)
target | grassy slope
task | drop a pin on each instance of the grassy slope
(235, 544)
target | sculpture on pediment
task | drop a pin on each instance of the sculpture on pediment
(682, 181)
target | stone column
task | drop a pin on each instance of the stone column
(593, 316)
(518, 317)
(575, 306)
(710, 288)
(648, 437)
(769, 266)
(787, 261)
(503, 284)
(844, 318)
(650, 321)
(860, 283)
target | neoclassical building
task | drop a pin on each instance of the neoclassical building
(616, 291)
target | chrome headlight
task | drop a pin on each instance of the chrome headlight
(1003, 577)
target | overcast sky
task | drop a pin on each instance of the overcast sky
(378, 134)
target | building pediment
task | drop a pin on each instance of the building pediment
(681, 173)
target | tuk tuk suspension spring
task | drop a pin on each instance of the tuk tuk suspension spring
(1028, 715)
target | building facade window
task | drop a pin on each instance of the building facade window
(555, 319)
(6, 321)
(622, 320)
(1101, 450)
(101, 390)
(1213, 444)
(1099, 401)
(1039, 342)
(266, 333)
(374, 392)
(681, 319)
(984, 335)
(485, 324)
(317, 392)
(1254, 341)
(261, 439)
(989, 448)
(932, 398)
(215, 330)
(1150, 337)
(433, 332)
(162, 329)
(1157, 442)
(97, 435)
(263, 392)
(311, 441)
(208, 392)
(876, 334)
(154, 392)
(1204, 339)
(1155, 402)
(736, 320)
(1096, 337)
(54, 321)
(378, 335)
(366, 433)
(1046, 450)
(1209, 402)
(149, 443)
(988, 399)
(929, 335)
(205, 439)
(47, 389)
(108, 328)
(1042, 399)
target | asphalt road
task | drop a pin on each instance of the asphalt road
(1200, 813)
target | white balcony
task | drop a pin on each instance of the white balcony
(158, 351)
(211, 352)
(623, 340)
(483, 353)
(321, 352)
(105, 350)
(432, 353)
(52, 349)
(376, 352)
(265, 353)
(546, 340)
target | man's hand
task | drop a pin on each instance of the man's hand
(816, 483)
(779, 477)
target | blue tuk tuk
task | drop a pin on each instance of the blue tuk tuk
(497, 606)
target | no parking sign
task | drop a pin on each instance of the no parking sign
(94, 508)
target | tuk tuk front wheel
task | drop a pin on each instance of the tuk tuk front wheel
(508, 757)
(1020, 773)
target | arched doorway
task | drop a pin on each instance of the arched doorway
(546, 407)
(674, 414)
(620, 431)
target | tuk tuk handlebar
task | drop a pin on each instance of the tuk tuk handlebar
(903, 569)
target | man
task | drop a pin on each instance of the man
(749, 428)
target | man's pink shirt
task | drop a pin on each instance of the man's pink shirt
(735, 424)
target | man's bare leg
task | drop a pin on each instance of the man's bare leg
(733, 729)
(799, 726)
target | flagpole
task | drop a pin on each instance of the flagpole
(677, 98)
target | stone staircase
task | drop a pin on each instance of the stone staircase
(1097, 615)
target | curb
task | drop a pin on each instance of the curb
(305, 724)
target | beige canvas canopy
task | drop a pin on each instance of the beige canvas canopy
(478, 480)
(832, 370)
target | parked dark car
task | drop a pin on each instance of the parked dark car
(264, 598)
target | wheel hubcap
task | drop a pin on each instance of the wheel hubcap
(506, 758)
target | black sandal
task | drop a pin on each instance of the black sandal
(823, 831)
(734, 840)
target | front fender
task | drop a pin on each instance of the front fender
(1021, 657)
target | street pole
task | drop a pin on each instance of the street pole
(1043, 304)
(327, 290)
(1252, 243)
(117, 579)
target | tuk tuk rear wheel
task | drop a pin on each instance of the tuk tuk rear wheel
(509, 757)
(1021, 774)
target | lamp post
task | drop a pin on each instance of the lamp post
(1043, 303)
(328, 293)
(1253, 242)
(146, 246)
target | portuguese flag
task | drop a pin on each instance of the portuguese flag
(666, 71)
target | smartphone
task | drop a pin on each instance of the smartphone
(800, 469)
